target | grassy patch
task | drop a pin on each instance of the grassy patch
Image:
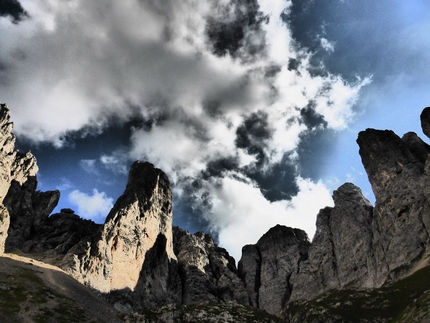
(392, 303)
(204, 313)
(23, 296)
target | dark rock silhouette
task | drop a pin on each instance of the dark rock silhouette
(267, 266)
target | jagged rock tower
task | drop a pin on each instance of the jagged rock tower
(140, 217)
(15, 169)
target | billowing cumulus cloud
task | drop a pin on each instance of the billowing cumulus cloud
(94, 206)
(220, 96)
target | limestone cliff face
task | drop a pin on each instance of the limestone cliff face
(138, 261)
(15, 167)
(117, 252)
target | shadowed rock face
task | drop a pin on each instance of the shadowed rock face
(208, 273)
(398, 171)
(341, 252)
(425, 121)
(267, 266)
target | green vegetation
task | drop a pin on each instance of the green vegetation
(204, 313)
(24, 296)
(401, 302)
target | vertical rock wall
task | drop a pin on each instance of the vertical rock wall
(267, 266)
(398, 172)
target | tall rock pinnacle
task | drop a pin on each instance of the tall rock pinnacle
(398, 172)
(116, 255)
(14, 167)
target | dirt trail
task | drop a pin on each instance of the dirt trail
(63, 284)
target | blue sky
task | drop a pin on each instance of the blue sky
(252, 109)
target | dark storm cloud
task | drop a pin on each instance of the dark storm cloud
(278, 182)
(311, 118)
(253, 134)
(228, 32)
(191, 206)
(314, 150)
(218, 167)
(13, 9)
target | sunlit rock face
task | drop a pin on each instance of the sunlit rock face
(15, 167)
(117, 252)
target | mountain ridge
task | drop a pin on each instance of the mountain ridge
(138, 261)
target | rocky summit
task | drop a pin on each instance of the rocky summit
(366, 263)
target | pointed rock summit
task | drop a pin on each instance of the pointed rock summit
(15, 169)
(117, 252)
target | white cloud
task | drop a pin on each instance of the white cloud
(79, 63)
(89, 166)
(115, 161)
(241, 214)
(94, 207)
(327, 45)
(65, 184)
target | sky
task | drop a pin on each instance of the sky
(251, 107)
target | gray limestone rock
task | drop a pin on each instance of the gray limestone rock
(208, 272)
(340, 255)
(267, 266)
(397, 172)
(250, 271)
